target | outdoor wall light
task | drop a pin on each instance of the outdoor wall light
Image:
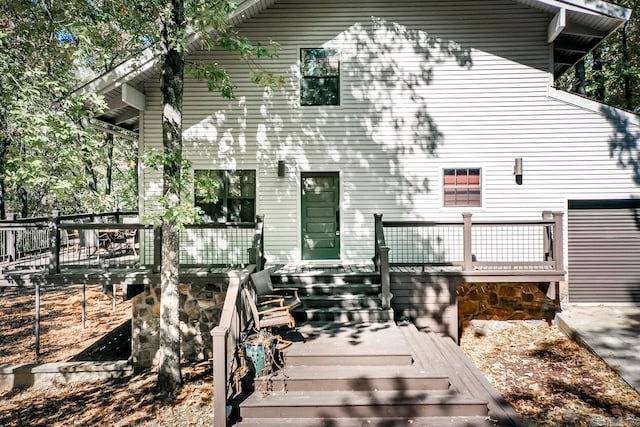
(281, 168)
(517, 170)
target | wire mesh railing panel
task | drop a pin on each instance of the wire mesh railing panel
(508, 243)
(216, 245)
(424, 243)
(91, 245)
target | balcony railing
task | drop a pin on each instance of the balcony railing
(119, 240)
(485, 245)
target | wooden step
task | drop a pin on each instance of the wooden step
(338, 314)
(477, 421)
(361, 404)
(337, 343)
(324, 278)
(352, 378)
(345, 300)
(333, 288)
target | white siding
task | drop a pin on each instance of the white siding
(424, 85)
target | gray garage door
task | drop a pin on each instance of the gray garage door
(604, 251)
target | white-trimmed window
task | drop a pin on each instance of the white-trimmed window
(320, 76)
(462, 187)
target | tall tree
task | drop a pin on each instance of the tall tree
(172, 30)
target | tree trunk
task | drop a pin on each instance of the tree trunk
(172, 29)
(580, 75)
(598, 75)
(109, 143)
(628, 96)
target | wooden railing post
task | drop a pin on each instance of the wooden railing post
(260, 258)
(157, 248)
(385, 278)
(558, 243)
(467, 263)
(54, 239)
(377, 224)
(11, 239)
(547, 236)
(219, 334)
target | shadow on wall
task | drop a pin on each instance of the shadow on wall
(624, 145)
(387, 71)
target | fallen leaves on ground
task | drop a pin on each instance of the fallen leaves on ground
(61, 332)
(117, 402)
(549, 379)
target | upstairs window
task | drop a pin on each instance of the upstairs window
(320, 71)
(226, 196)
(462, 187)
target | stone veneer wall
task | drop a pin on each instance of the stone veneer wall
(200, 310)
(505, 301)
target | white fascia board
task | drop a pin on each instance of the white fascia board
(123, 73)
(602, 8)
(591, 7)
(593, 106)
(557, 25)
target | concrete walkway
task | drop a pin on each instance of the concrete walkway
(613, 333)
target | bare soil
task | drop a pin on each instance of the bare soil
(548, 378)
(61, 332)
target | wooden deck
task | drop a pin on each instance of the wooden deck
(354, 374)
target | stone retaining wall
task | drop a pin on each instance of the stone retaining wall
(505, 301)
(200, 310)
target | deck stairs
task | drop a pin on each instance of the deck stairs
(357, 374)
(335, 295)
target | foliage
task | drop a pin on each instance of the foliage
(612, 71)
(49, 160)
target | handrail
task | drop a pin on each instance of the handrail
(477, 245)
(381, 262)
(227, 339)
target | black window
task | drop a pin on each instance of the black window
(226, 196)
(320, 71)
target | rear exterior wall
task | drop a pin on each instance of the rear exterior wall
(424, 85)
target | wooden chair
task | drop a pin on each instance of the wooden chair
(269, 314)
(266, 292)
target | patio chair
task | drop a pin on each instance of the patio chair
(266, 292)
(269, 314)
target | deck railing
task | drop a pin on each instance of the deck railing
(227, 342)
(475, 246)
(119, 240)
(381, 262)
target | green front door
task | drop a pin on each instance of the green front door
(320, 215)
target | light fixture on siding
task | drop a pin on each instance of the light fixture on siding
(281, 168)
(517, 170)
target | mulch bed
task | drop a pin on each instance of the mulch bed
(549, 379)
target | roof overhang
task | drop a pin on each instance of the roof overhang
(122, 87)
(575, 28)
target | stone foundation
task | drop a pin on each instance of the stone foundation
(200, 310)
(505, 301)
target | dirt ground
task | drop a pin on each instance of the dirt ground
(550, 380)
(62, 335)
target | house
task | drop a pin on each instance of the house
(417, 110)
